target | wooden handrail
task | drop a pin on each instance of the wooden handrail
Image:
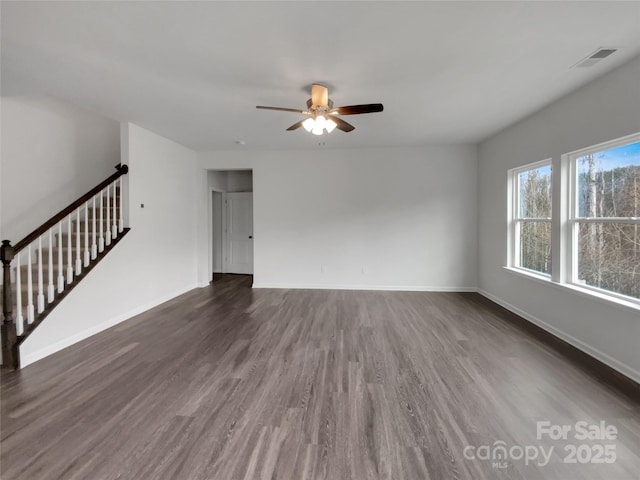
(122, 170)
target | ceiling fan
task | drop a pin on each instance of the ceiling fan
(322, 115)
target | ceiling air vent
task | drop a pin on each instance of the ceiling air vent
(595, 57)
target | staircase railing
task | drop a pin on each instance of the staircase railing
(62, 251)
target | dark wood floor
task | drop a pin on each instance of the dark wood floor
(231, 383)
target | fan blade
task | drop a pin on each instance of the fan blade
(341, 124)
(319, 95)
(357, 109)
(280, 109)
(295, 126)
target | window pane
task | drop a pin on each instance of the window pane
(609, 257)
(609, 182)
(535, 193)
(535, 246)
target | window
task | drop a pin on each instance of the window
(595, 234)
(604, 220)
(531, 217)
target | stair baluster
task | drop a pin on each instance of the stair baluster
(52, 234)
(101, 239)
(114, 233)
(30, 309)
(87, 255)
(121, 221)
(60, 261)
(51, 291)
(40, 279)
(78, 246)
(94, 248)
(107, 233)
(19, 317)
(69, 252)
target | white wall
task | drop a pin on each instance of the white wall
(407, 216)
(153, 263)
(52, 153)
(603, 110)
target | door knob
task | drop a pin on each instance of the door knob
(250, 236)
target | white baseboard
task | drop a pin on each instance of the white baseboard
(623, 368)
(399, 288)
(67, 342)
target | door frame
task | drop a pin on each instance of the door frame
(224, 233)
(212, 226)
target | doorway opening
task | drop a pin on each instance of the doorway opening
(231, 201)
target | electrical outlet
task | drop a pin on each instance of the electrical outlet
(323, 269)
(364, 270)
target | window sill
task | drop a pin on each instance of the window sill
(619, 303)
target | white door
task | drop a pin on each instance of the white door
(239, 233)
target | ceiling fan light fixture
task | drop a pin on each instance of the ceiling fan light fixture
(322, 115)
(320, 123)
(330, 125)
(308, 124)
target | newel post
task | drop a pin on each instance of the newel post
(10, 355)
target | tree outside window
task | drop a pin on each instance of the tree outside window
(606, 219)
(532, 222)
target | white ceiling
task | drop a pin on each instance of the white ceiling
(446, 72)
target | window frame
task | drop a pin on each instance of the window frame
(515, 221)
(573, 220)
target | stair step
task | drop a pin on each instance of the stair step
(65, 238)
(104, 225)
(64, 241)
(34, 270)
(45, 252)
(25, 297)
(105, 203)
(45, 275)
(47, 307)
(65, 255)
(45, 270)
(65, 250)
(104, 211)
(45, 262)
(24, 289)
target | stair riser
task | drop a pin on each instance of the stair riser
(104, 203)
(45, 264)
(45, 261)
(104, 210)
(82, 242)
(105, 225)
(65, 255)
(45, 284)
(24, 297)
(45, 275)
